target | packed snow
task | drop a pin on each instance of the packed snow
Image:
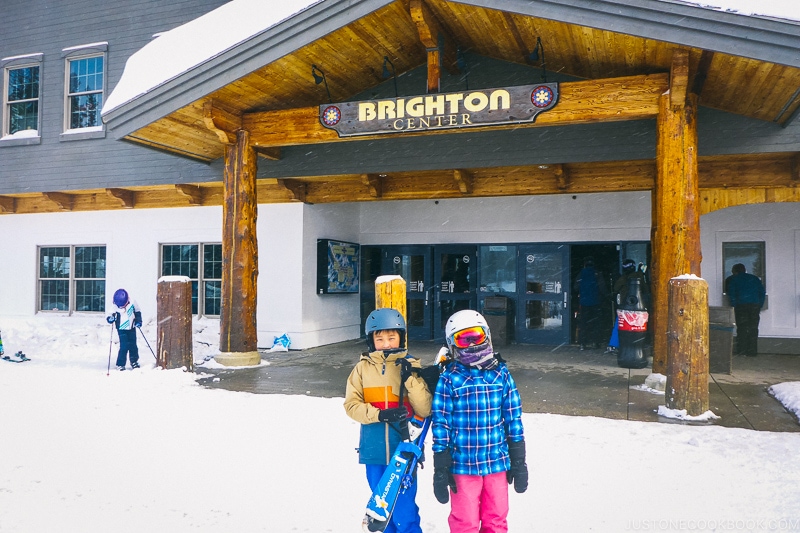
(87, 450)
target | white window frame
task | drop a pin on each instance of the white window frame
(71, 279)
(7, 64)
(201, 280)
(80, 53)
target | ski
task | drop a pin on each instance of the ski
(18, 357)
(395, 480)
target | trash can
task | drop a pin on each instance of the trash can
(496, 312)
(720, 339)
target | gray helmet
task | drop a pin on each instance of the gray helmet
(383, 319)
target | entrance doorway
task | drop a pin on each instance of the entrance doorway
(544, 286)
(440, 280)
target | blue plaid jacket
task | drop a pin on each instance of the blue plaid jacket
(474, 413)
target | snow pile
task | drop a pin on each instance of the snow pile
(789, 395)
(681, 414)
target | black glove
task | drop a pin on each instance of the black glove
(518, 474)
(137, 319)
(395, 414)
(442, 477)
(405, 369)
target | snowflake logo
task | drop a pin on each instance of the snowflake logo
(542, 96)
(331, 116)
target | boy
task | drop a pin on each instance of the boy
(478, 440)
(372, 400)
(126, 319)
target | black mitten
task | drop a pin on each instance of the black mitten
(518, 473)
(442, 477)
(395, 414)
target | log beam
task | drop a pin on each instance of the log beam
(8, 204)
(679, 78)
(238, 335)
(676, 211)
(297, 189)
(464, 180)
(562, 177)
(193, 192)
(626, 98)
(437, 41)
(373, 182)
(63, 201)
(125, 197)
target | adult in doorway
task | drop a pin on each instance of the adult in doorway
(591, 289)
(746, 294)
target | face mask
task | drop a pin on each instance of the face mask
(480, 356)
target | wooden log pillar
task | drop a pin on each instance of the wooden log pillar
(174, 315)
(676, 204)
(687, 345)
(237, 330)
(390, 291)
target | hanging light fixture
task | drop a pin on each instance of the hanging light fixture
(387, 73)
(538, 52)
(319, 77)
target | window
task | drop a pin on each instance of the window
(72, 278)
(84, 91)
(751, 254)
(21, 93)
(202, 264)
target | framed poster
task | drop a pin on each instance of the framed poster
(337, 267)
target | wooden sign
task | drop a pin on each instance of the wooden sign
(486, 107)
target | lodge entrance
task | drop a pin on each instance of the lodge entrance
(524, 290)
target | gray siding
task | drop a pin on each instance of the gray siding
(48, 27)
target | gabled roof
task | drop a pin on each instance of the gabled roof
(739, 64)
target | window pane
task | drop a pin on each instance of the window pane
(54, 295)
(194, 297)
(90, 262)
(54, 262)
(180, 260)
(213, 298)
(85, 111)
(498, 269)
(212, 261)
(23, 117)
(23, 84)
(86, 75)
(90, 295)
(750, 254)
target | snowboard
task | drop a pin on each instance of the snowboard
(397, 478)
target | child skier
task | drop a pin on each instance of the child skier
(371, 398)
(478, 440)
(126, 319)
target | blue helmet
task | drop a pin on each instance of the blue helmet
(120, 297)
(383, 319)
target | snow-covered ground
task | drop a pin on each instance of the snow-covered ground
(150, 450)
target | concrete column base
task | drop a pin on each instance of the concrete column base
(238, 358)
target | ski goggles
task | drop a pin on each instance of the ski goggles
(469, 337)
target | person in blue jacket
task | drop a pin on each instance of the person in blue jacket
(746, 294)
(127, 318)
(478, 439)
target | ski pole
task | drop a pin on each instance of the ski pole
(110, 343)
(148, 344)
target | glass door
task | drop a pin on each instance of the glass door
(542, 303)
(413, 264)
(454, 270)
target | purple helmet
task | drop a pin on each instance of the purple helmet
(120, 297)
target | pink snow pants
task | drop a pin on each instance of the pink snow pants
(480, 505)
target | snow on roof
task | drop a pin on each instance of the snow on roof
(177, 51)
(781, 9)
